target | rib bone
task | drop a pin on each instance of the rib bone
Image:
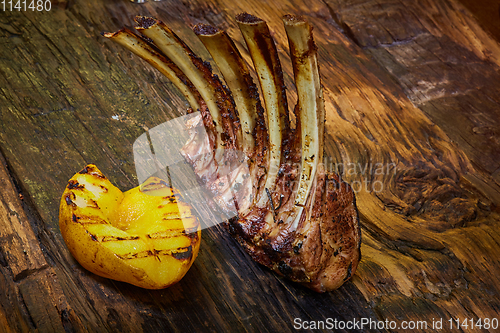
(146, 51)
(268, 67)
(237, 77)
(310, 101)
(197, 71)
(246, 97)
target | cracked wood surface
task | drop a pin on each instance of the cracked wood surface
(413, 111)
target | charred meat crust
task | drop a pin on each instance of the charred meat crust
(205, 29)
(305, 257)
(247, 18)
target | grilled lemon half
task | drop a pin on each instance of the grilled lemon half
(146, 236)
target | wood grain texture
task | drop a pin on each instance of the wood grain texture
(413, 111)
(32, 297)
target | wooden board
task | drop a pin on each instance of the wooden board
(413, 113)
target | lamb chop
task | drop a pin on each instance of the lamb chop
(291, 214)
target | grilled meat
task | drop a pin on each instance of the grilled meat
(292, 215)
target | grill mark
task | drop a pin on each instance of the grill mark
(174, 219)
(73, 184)
(185, 255)
(93, 237)
(93, 204)
(165, 235)
(84, 170)
(193, 236)
(170, 233)
(91, 171)
(138, 255)
(90, 221)
(158, 184)
(171, 204)
(117, 239)
(103, 188)
(110, 238)
(69, 199)
(180, 253)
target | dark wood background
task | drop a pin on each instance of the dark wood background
(413, 85)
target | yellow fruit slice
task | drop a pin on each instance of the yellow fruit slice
(146, 236)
